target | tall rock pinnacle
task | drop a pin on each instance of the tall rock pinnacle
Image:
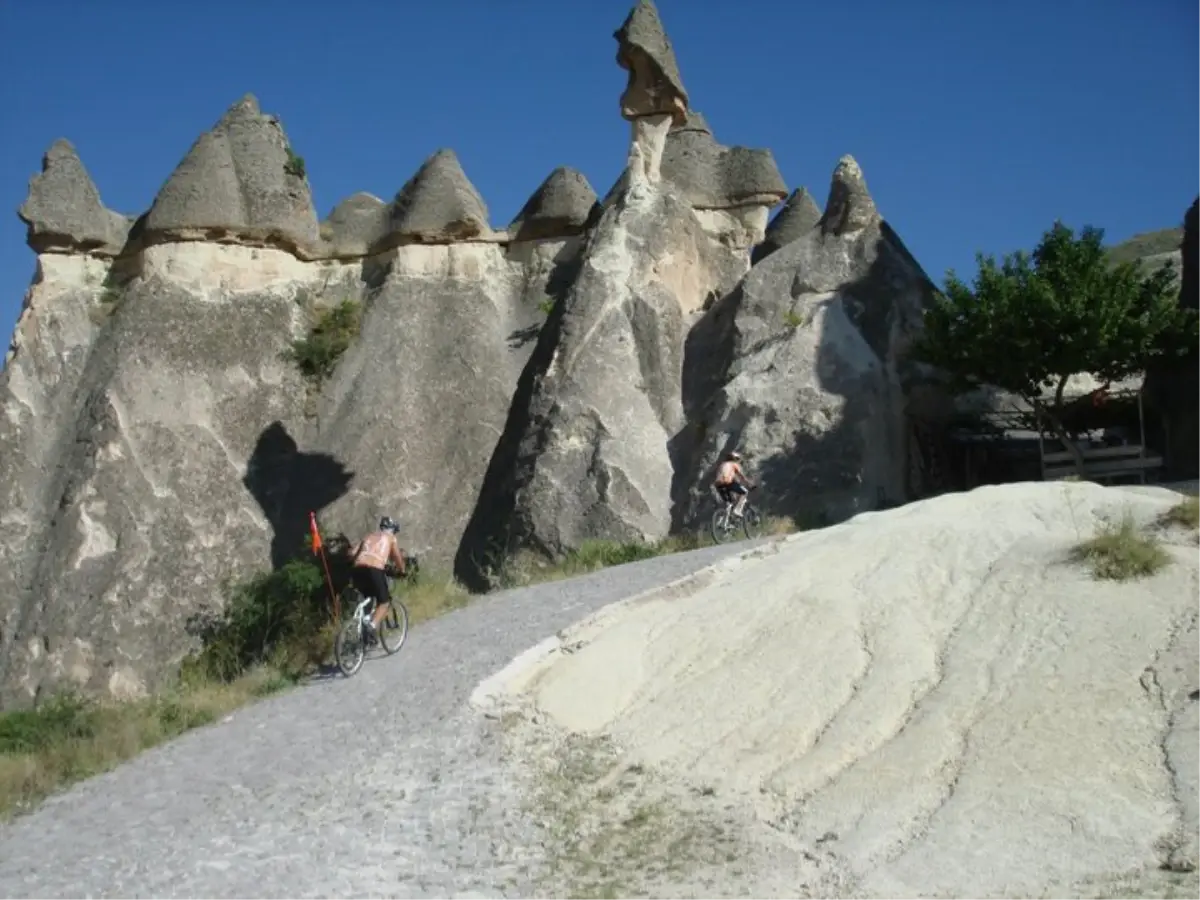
(850, 207)
(654, 87)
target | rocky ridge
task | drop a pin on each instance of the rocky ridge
(573, 375)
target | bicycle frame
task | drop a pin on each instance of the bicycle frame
(365, 607)
(730, 504)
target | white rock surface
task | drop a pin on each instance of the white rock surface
(934, 699)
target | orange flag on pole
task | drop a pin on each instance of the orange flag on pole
(316, 533)
(318, 548)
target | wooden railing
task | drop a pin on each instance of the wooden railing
(1101, 463)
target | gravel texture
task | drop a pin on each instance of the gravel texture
(385, 784)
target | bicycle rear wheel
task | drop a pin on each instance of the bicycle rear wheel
(393, 630)
(350, 648)
(751, 522)
(721, 532)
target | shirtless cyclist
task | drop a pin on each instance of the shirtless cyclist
(731, 482)
(369, 559)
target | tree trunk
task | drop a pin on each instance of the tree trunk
(1053, 417)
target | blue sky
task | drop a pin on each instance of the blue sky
(976, 123)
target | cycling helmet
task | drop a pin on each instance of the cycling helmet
(387, 524)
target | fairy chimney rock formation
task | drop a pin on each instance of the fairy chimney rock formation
(354, 226)
(730, 189)
(850, 207)
(654, 97)
(654, 87)
(437, 205)
(817, 380)
(711, 176)
(63, 212)
(795, 219)
(560, 207)
(239, 183)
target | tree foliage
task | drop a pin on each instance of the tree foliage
(1032, 321)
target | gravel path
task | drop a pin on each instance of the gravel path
(385, 784)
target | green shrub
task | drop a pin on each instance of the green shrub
(294, 165)
(278, 619)
(62, 718)
(593, 555)
(331, 335)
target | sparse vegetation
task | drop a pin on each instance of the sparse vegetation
(591, 556)
(611, 831)
(1150, 243)
(294, 165)
(546, 306)
(793, 319)
(331, 335)
(68, 738)
(1121, 551)
(107, 302)
(1185, 514)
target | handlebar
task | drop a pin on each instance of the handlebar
(412, 565)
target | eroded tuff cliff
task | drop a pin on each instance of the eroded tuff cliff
(156, 439)
(571, 375)
(829, 312)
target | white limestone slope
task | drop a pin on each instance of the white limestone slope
(932, 698)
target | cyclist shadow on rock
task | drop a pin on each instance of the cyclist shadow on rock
(288, 483)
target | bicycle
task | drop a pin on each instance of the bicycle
(724, 523)
(350, 645)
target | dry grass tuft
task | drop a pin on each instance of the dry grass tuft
(1185, 514)
(1120, 552)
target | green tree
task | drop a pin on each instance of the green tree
(1031, 322)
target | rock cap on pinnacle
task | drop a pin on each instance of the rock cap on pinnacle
(655, 86)
(355, 226)
(712, 176)
(63, 211)
(438, 204)
(239, 181)
(798, 216)
(558, 208)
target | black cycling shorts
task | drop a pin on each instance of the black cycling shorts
(371, 582)
(728, 491)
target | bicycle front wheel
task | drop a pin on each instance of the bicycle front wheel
(721, 532)
(751, 522)
(350, 648)
(393, 630)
